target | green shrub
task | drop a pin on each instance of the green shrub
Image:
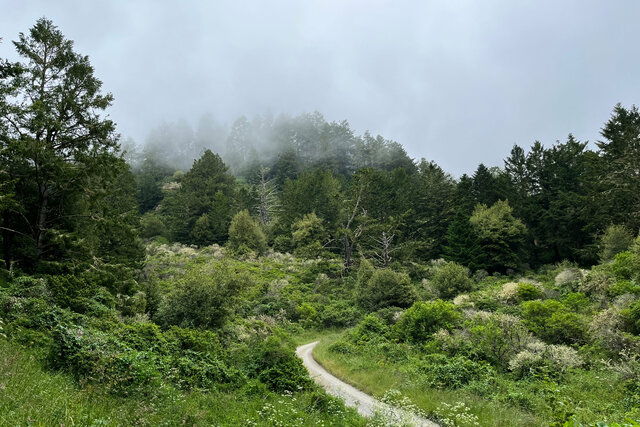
(95, 358)
(577, 302)
(343, 347)
(245, 232)
(282, 243)
(143, 337)
(554, 322)
(419, 322)
(202, 371)
(497, 339)
(451, 279)
(453, 372)
(622, 287)
(339, 314)
(389, 315)
(127, 373)
(631, 316)
(130, 305)
(528, 292)
(152, 226)
(180, 339)
(386, 288)
(26, 287)
(276, 365)
(306, 312)
(371, 328)
(626, 266)
(365, 271)
(203, 298)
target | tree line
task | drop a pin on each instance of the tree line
(544, 205)
(301, 185)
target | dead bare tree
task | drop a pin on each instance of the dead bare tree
(350, 237)
(268, 198)
(383, 255)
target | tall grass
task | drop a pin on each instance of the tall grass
(369, 375)
(31, 395)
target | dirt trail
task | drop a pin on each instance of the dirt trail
(365, 404)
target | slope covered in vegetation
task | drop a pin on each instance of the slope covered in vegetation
(146, 294)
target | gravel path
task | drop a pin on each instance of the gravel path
(367, 406)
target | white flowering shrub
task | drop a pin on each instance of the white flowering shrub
(463, 300)
(568, 275)
(604, 328)
(538, 356)
(509, 293)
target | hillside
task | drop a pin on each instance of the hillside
(171, 286)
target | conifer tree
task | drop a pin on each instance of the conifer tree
(462, 243)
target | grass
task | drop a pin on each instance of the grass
(374, 378)
(31, 395)
(306, 336)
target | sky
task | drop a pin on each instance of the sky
(458, 82)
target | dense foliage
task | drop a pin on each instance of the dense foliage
(188, 272)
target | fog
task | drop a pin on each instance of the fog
(458, 82)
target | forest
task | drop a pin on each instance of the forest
(169, 282)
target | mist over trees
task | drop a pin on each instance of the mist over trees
(285, 145)
(373, 200)
(181, 273)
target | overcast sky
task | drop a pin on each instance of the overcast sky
(458, 82)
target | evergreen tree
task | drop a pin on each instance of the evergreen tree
(620, 173)
(462, 243)
(313, 192)
(59, 154)
(201, 210)
(433, 206)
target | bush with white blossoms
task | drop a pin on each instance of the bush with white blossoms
(537, 355)
(568, 275)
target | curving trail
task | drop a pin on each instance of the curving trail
(367, 406)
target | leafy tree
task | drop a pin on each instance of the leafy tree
(308, 235)
(451, 279)
(152, 226)
(386, 288)
(500, 235)
(615, 239)
(204, 298)
(422, 319)
(244, 232)
(59, 154)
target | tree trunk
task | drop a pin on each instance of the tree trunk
(7, 236)
(41, 222)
